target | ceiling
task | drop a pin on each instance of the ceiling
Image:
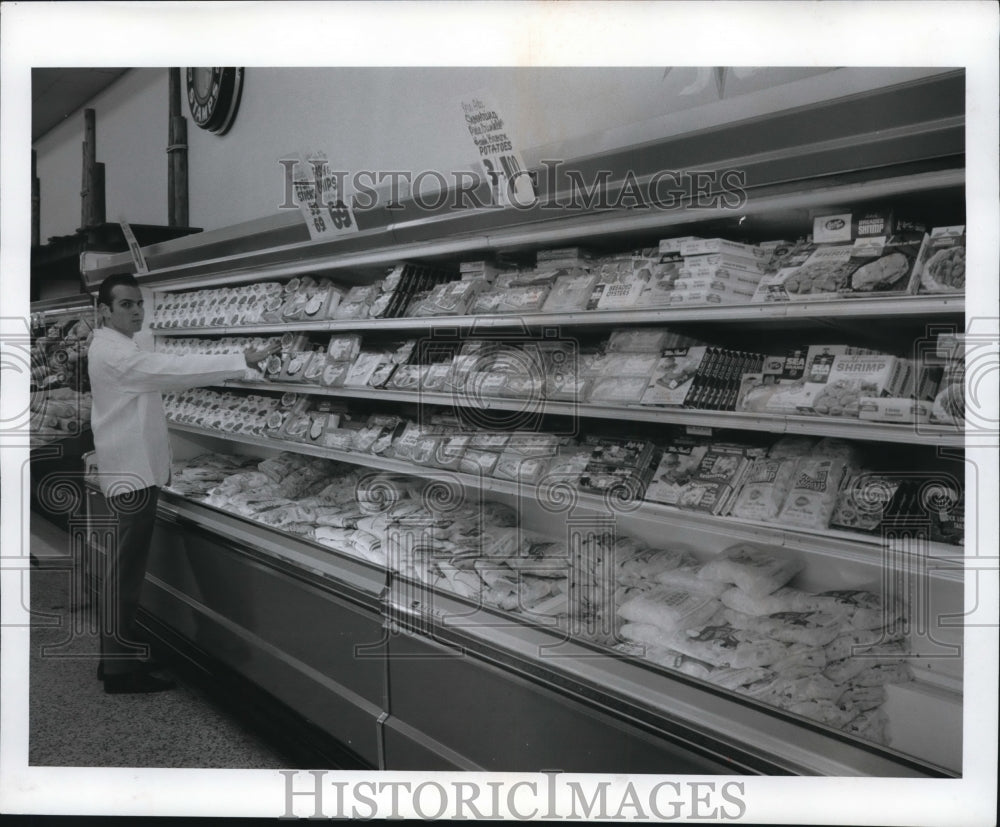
(58, 93)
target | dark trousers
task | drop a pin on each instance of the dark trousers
(124, 573)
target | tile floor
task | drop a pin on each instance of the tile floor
(72, 722)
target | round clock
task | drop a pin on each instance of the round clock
(213, 95)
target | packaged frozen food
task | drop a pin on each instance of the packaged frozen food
(620, 390)
(669, 609)
(723, 645)
(670, 246)
(677, 466)
(813, 495)
(785, 599)
(764, 489)
(357, 303)
(570, 292)
(846, 670)
(857, 642)
(363, 367)
(686, 577)
(941, 261)
(476, 461)
(715, 246)
(673, 377)
(811, 628)
(757, 570)
(861, 226)
(618, 295)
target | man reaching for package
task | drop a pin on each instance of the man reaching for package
(133, 459)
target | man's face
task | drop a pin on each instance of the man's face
(126, 311)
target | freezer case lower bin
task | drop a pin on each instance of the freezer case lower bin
(292, 639)
(446, 704)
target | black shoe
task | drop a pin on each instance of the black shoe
(135, 683)
(145, 666)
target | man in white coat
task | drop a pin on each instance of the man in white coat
(133, 459)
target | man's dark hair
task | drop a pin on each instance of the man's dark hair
(110, 283)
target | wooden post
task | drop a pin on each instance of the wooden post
(36, 201)
(177, 161)
(89, 159)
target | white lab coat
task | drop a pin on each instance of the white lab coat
(130, 428)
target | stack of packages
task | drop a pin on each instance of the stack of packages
(699, 376)
(229, 412)
(841, 381)
(59, 357)
(475, 550)
(798, 484)
(701, 476)
(58, 413)
(949, 400)
(179, 345)
(626, 282)
(858, 254)
(619, 469)
(515, 292)
(219, 307)
(736, 622)
(281, 492)
(196, 477)
(607, 569)
(715, 271)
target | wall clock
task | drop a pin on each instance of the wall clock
(213, 95)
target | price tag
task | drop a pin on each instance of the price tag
(317, 191)
(498, 157)
(698, 430)
(138, 259)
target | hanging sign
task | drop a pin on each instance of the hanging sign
(498, 158)
(138, 259)
(319, 195)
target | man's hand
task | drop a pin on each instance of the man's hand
(255, 357)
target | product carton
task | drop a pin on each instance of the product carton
(710, 246)
(673, 377)
(894, 409)
(940, 266)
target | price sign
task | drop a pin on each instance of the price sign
(498, 157)
(318, 192)
(138, 259)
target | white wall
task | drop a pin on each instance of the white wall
(392, 118)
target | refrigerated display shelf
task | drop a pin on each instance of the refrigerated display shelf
(915, 434)
(840, 544)
(898, 307)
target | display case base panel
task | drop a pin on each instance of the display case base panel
(292, 639)
(502, 723)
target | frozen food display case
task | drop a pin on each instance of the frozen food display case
(458, 526)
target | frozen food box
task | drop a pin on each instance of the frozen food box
(859, 225)
(940, 266)
(863, 500)
(673, 376)
(854, 377)
(875, 268)
(677, 467)
(618, 295)
(673, 245)
(709, 246)
(570, 292)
